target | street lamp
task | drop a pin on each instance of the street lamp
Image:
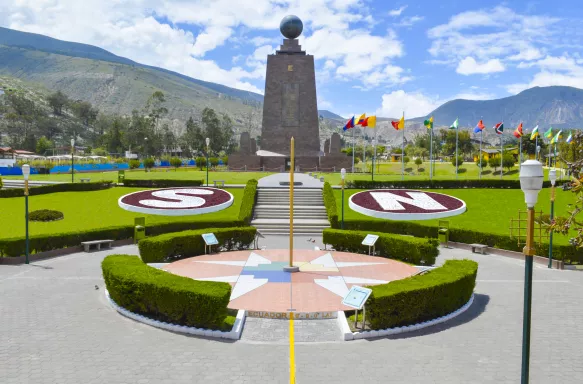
(531, 182)
(553, 179)
(342, 176)
(26, 174)
(72, 161)
(208, 141)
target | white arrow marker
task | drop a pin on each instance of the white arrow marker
(334, 284)
(246, 284)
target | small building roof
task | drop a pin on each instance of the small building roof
(486, 150)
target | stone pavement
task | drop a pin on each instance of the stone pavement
(272, 181)
(276, 331)
(56, 328)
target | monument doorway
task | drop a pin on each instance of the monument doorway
(287, 163)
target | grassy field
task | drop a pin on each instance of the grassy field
(488, 210)
(89, 210)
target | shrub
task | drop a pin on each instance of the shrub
(214, 161)
(149, 163)
(423, 297)
(482, 162)
(1, 184)
(64, 187)
(175, 162)
(173, 246)
(248, 202)
(508, 161)
(460, 161)
(406, 160)
(494, 162)
(134, 164)
(410, 249)
(330, 204)
(418, 162)
(162, 183)
(201, 162)
(45, 215)
(163, 296)
(440, 184)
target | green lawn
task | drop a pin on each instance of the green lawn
(90, 210)
(488, 210)
(180, 174)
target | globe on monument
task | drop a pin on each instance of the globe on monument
(291, 27)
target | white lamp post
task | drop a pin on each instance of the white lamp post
(72, 161)
(531, 182)
(343, 176)
(26, 174)
(208, 141)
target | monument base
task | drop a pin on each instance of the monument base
(291, 269)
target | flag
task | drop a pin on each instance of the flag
(556, 138)
(569, 138)
(499, 128)
(518, 131)
(398, 125)
(455, 124)
(534, 133)
(370, 122)
(549, 133)
(429, 123)
(349, 124)
(479, 127)
(361, 119)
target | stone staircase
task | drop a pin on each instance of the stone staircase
(271, 214)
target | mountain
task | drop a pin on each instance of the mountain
(329, 115)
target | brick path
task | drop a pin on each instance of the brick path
(56, 328)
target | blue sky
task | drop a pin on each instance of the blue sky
(372, 56)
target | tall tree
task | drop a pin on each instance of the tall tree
(85, 112)
(57, 102)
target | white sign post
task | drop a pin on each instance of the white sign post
(209, 240)
(370, 241)
(356, 298)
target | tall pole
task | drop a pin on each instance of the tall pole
(374, 153)
(528, 255)
(72, 164)
(26, 219)
(536, 148)
(403, 151)
(551, 218)
(207, 166)
(480, 154)
(549, 159)
(431, 154)
(363, 150)
(501, 155)
(353, 149)
(342, 225)
(520, 154)
(291, 267)
(456, 156)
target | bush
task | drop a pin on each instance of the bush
(410, 249)
(508, 161)
(330, 204)
(175, 162)
(460, 161)
(149, 163)
(494, 162)
(1, 184)
(201, 162)
(482, 162)
(423, 297)
(134, 164)
(441, 184)
(162, 183)
(163, 296)
(248, 202)
(406, 160)
(214, 161)
(64, 187)
(418, 162)
(174, 246)
(45, 215)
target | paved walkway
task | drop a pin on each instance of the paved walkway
(272, 181)
(56, 328)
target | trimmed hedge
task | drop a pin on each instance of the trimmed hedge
(15, 246)
(410, 249)
(248, 202)
(163, 296)
(1, 184)
(441, 184)
(64, 187)
(174, 246)
(45, 215)
(163, 183)
(422, 297)
(330, 204)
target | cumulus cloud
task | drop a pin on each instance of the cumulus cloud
(553, 70)
(469, 66)
(414, 104)
(398, 11)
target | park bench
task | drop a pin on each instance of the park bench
(479, 247)
(85, 180)
(219, 183)
(97, 243)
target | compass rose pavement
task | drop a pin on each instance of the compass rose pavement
(260, 284)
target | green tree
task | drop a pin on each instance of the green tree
(482, 162)
(43, 145)
(460, 161)
(508, 161)
(200, 162)
(85, 112)
(418, 162)
(149, 163)
(176, 162)
(57, 101)
(494, 162)
(406, 160)
(134, 164)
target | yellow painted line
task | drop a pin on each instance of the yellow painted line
(292, 357)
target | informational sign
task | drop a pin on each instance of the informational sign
(356, 297)
(370, 240)
(210, 239)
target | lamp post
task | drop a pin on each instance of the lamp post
(553, 179)
(208, 141)
(26, 174)
(374, 146)
(342, 176)
(531, 182)
(72, 161)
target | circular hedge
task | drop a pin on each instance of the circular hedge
(45, 215)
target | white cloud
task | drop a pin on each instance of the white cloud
(469, 66)
(563, 70)
(398, 11)
(409, 21)
(414, 104)
(474, 96)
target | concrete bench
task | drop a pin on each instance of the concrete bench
(219, 183)
(479, 247)
(97, 243)
(85, 180)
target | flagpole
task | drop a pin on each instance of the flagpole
(550, 149)
(403, 151)
(480, 155)
(352, 149)
(363, 150)
(501, 154)
(520, 155)
(374, 155)
(431, 154)
(456, 156)
(536, 147)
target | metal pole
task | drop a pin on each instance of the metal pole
(26, 220)
(528, 255)
(72, 167)
(207, 165)
(551, 232)
(403, 151)
(456, 156)
(431, 154)
(480, 155)
(353, 150)
(501, 155)
(363, 151)
(342, 225)
(520, 155)
(291, 267)
(374, 155)
(536, 147)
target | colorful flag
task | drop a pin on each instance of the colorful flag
(534, 133)
(349, 124)
(499, 128)
(569, 138)
(479, 127)
(455, 124)
(361, 119)
(518, 131)
(429, 123)
(398, 125)
(549, 133)
(556, 138)
(370, 122)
